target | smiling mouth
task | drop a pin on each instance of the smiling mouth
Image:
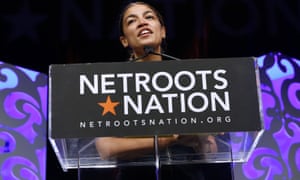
(145, 32)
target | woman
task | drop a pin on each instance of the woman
(142, 26)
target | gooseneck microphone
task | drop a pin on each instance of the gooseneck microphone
(141, 57)
(150, 50)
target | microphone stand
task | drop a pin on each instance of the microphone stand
(150, 50)
(157, 160)
(165, 55)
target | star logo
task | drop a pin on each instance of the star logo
(24, 23)
(108, 106)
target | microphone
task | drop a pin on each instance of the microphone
(150, 50)
(141, 57)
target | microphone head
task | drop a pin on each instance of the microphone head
(148, 49)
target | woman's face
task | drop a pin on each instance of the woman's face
(141, 28)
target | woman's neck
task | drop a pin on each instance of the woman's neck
(151, 57)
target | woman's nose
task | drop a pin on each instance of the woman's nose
(142, 22)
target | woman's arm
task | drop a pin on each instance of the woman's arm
(128, 148)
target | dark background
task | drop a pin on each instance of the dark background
(37, 33)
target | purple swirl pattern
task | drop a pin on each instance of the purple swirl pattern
(277, 155)
(23, 114)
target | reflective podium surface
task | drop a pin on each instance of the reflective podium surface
(205, 148)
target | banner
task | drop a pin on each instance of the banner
(154, 98)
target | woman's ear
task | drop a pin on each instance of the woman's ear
(124, 41)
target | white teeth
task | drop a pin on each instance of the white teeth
(144, 32)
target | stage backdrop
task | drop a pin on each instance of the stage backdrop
(23, 110)
(277, 155)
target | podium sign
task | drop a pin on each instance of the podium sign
(161, 98)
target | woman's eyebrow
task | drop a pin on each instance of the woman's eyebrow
(130, 16)
(146, 12)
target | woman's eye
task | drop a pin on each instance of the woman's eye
(149, 17)
(130, 21)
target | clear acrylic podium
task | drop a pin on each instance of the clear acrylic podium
(212, 145)
(231, 147)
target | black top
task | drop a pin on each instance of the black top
(176, 172)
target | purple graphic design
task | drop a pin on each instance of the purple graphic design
(9, 142)
(30, 114)
(23, 112)
(277, 155)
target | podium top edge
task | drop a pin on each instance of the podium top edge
(182, 60)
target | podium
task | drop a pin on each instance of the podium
(215, 103)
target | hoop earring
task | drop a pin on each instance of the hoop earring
(130, 52)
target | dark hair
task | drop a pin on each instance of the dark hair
(157, 13)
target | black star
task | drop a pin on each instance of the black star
(24, 23)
